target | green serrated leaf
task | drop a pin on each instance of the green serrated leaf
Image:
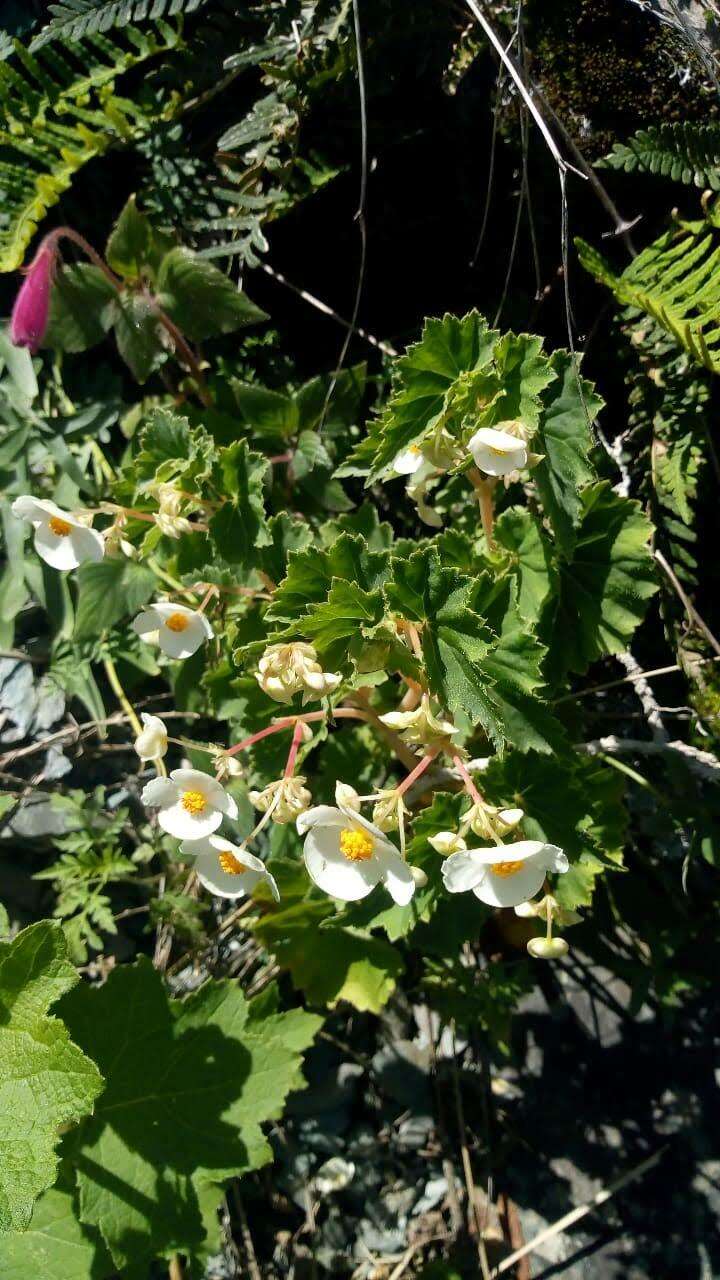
(45, 1080)
(137, 333)
(190, 1082)
(240, 525)
(564, 437)
(310, 575)
(56, 1245)
(605, 587)
(530, 559)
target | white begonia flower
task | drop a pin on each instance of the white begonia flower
(505, 875)
(447, 842)
(152, 742)
(420, 727)
(228, 870)
(191, 804)
(178, 630)
(62, 540)
(288, 798)
(116, 544)
(497, 453)
(286, 669)
(485, 820)
(408, 461)
(346, 856)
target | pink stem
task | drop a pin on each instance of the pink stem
(417, 771)
(294, 748)
(211, 591)
(469, 784)
(287, 722)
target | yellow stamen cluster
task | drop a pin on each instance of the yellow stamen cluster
(231, 865)
(504, 869)
(59, 527)
(356, 846)
(195, 802)
(177, 622)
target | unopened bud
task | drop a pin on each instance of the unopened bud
(346, 797)
(547, 948)
(31, 309)
(226, 766)
(419, 876)
(447, 842)
(152, 742)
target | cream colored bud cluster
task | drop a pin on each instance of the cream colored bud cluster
(168, 518)
(288, 798)
(287, 669)
(421, 727)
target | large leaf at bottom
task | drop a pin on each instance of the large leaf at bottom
(190, 1082)
(45, 1080)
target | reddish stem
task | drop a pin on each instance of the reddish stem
(287, 722)
(469, 784)
(294, 748)
(417, 771)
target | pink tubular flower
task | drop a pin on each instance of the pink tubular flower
(29, 320)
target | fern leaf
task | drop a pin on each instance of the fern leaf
(676, 281)
(76, 19)
(56, 114)
(685, 152)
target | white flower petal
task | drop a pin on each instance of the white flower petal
(182, 644)
(179, 822)
(332, 872)
(320, 815)
(58, 552)
(461, 872)
(225, 884)
(146, 622)
(407, 461)
(508, 891)
(397, 876)
(38, 510)
(88, 544)
(159, 791)
(497, 452)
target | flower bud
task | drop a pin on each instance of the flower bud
(31, 310)
(286, 669)
(420, 727)
(447, 842)
(547, 948)
(388, 809)
(419, 877)
(346, 797)
(152, 742)
(226, 766)
(288, 798)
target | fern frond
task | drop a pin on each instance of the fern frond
(75, 19)
(676, 281)
(684, 151)
(58, 110)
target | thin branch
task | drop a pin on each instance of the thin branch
(649, 702)
(701, 763)
(691, 611)
(522, 88)
(575, 1215)
(328, 311)
(614, 684)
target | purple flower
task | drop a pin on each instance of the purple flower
(29, 320)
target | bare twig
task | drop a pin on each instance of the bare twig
(575, 1215)
(328, 311)
(691, 611)
(701, 763)
(649, 702)
(253, 1269)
